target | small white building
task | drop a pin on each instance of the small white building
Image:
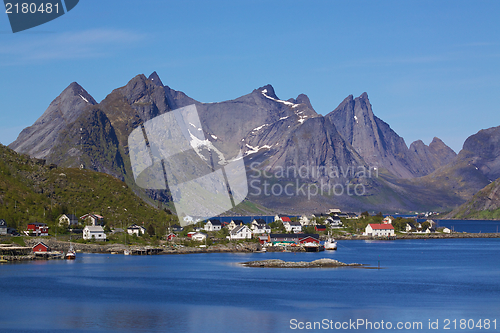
(259, 226)
(446, 230)
(379, 230)
(294, 227)
(213, 225)
(94, 233)
(68, 220)
(3, 227)
(136, 229)
(334, 221)
(304, 220)
(334, 211)
(388, 220)
(240, 232)
(234, 223)
(199, 237)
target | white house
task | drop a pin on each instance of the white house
(280, 217)
(213, 225)
(199, 237)
(93, 219)
(68, 220)
(446, 230)
(304, 220)
(334, 221)
(3, 227)
(334, 211)
(291, 226)
(136, 229)
(259, 226)
(240, 232)
(234, 223)
(411, 227)
(379, 230)
(388, 220)
(94, 232)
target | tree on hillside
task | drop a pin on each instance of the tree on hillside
(150, 230)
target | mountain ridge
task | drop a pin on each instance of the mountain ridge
(271, 134)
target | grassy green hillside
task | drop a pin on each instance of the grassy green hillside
(31, 191)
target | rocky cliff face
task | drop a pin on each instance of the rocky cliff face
(373, 139)
(426, 159)
(380, 146)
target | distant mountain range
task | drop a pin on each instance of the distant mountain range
(300, 151)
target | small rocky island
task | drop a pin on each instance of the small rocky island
(277, 263)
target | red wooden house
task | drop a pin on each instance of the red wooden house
(311, 238)
(37, 229)
(41, 247)
(264, 239)
(171, 237)
(319, 227)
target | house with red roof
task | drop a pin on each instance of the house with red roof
(377, 230)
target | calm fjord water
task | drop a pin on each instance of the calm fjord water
(421, 280)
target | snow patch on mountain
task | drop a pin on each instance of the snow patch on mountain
(86, 100)
(293, 105)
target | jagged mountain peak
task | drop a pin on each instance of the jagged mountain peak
(267, 90)
(302, 99)
(38, 139)
(75, 90)
(439, 147)
(140, 88)
(363, 96)
(156, 79)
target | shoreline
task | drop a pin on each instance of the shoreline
(421, 236)
(245, 247)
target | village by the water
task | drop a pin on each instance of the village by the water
(280, 233)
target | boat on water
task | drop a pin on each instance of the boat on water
(313, 247)
(71, 254)
(126, 252)
(330, 243)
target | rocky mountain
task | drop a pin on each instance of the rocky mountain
(426, 159)
(285, 144)
(485, 204)
(38, 139)
(476, 166)
(380, 146)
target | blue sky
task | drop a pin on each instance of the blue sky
(430, 68)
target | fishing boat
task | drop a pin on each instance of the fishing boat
(330, 243)
(71, 254)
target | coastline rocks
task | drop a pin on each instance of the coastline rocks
(277, 263)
